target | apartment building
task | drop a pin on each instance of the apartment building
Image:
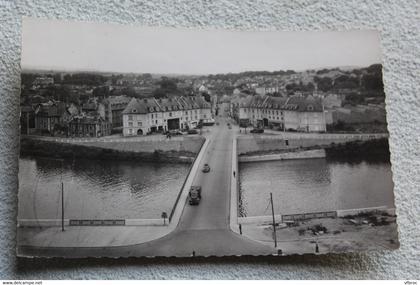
(296, 113)
(149, 115)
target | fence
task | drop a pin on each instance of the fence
(97, 223)
(306, 216)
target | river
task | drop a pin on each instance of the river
(312, 185)
(97, 189)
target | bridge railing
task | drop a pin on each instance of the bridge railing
(185, 181)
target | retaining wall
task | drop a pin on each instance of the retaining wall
(252, 143)
(315, 153)
(343, 213)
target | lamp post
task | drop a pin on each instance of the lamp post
(274, 220)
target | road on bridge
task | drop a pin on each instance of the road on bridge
(202, 229)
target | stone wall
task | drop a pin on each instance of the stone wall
(257, 143)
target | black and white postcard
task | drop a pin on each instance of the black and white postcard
(146, 141)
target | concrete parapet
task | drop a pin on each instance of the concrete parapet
(233, 216)
(32, 223)
(316, 153)
(259, 219)
(183, 196)
(42, 222)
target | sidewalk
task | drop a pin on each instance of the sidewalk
(89, 236)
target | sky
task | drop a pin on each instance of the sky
(83, 46)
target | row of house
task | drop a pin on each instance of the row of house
(143, 116)
(59, 118)
(297, 113)
(93, 118)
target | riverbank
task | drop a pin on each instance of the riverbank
(333, 235)
(181, 150)
(303, 154)
(265, 144)
(371, 150)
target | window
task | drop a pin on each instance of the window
(139, 124)
(130, 131)
(170, 114)
(156, 122)
(130, 117)
(130, 124)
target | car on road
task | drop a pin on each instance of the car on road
(206, 168)
(174, 133)
(209, 122)
(257, 131)
(192, 132)
(194, 195)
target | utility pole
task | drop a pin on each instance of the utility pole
(274, 220)
(62, 206)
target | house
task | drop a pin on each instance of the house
(88, 126)
(41, 82)
(148, 115)
(264, 90)
(51, 117)
(296, 113)
(114, 106)
(94, 108)
(27, 119)
(332, 101)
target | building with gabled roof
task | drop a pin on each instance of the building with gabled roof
(114, 106)
(148, 115)
(88, 126)
(297, 113)
(51, 115)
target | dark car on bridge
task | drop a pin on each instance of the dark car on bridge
(206, 168)
(192, 132)
(174, 133)
(194, 195)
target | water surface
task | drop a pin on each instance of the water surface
(97, 189)
(312, 185)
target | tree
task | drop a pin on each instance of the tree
(324, 83)
(372, 82)
(102, 91)
(206, 96)
(346, 82)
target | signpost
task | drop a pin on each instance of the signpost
(62, 206)
(164, 216)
